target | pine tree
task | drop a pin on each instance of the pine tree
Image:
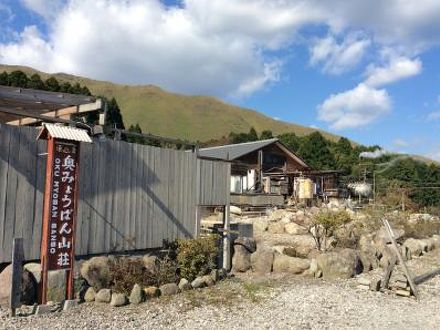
(18, 79)
(52, 84)
(266, 134)
(315, 152)
(114, 117)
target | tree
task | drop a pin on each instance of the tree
(290, 140)
(35, 82)
(315, 152)
(52, 85)
(66, 87)
(18, 79)
(4, 78)
(114, 117)
(266, 134)
(252, 136)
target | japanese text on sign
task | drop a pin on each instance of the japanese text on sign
(62, 206)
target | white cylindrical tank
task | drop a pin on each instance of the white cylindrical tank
(305, 188)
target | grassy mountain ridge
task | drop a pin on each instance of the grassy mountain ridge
(177, 115)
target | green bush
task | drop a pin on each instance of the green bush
(197, 257)
(325, 223)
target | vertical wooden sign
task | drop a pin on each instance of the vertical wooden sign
(59, 212)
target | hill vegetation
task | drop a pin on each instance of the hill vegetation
(193, 118)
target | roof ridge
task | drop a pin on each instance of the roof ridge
(240, 144)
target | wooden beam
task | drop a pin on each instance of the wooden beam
(60, 113)
(17, 274)
(427, 276)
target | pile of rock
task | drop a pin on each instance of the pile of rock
(139, 294)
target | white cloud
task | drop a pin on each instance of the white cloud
(338, 58)
(354, 108)
(398, 68)
(435, 115)
(219, 47)
(45, 8)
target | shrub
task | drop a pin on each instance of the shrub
(197, 257)
(324, 223)
(126, 272)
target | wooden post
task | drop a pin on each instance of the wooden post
(399, 256)
(17, 274)
(226, 239)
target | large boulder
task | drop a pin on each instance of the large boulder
(259, 226)
(294, 229)
(96, 271)
(241, 261)
(56, 281)
(184, 285)
(414, 246)
(286, 264)
(262, 260)
(248, 242)
(29, 287)
(302, 244)
(151, 292)
(339, 264)
(276, 227)
(382, 234)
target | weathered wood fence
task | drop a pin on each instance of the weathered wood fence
(131, 197)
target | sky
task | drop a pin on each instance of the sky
(365, 69)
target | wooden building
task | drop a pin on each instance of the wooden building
(267, 172)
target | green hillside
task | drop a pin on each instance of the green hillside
(176, 115)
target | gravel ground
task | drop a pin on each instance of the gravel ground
(254, 303)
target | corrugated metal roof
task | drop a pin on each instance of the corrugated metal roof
(65, 132)
(234, 151)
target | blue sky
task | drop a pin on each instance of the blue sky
(365, 69)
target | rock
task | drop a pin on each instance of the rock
(208, 280)
(43, 309)
(286, 264)
(103, 296)
(387, 253)
(235, 210)
(369, 262)
(56, 285)
(426, 245)
(375, 284)
(241, 261)
(184, 285)
(276, 228)
(342, 264)
(151, 292)
(118, 299)
(222, 273)
(382, 234)
(136, 295)
(403, 293)
(364, 281)
(69, 304)
(294, 229)
(248, 242)
(150, 263)
(260, 226)
(262, 260)
(414, 246)
(29, 287)
(313, 269)
(35, 269)
(96, 271)
(90, 295)
(198, 282)
(435, 241)
(169, 289)
(215, 275)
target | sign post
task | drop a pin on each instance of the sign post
(60, 203)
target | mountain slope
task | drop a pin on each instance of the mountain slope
(176, 115)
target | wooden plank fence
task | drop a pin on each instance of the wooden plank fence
(131, 197)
